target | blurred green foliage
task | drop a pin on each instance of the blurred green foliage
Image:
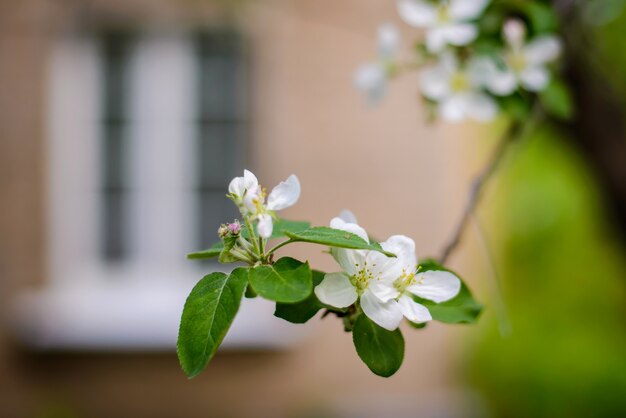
(564, 280)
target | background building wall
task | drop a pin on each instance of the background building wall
(398, 174)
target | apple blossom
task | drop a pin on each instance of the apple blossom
(446, 22)
(457, 91)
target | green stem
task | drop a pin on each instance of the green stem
(252, 234)
(282, 244)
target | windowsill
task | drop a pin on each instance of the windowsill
(134, 316)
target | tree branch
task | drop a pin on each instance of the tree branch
(477, 186)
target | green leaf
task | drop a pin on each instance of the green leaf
(208, 313)
(542, 17)
(557, 100)
(335, 238)
(288, 280)
(301, 312)
(462, 309)
(381, 350)
(214, 251)
(280, 228)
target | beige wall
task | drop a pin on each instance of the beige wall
(397, 174)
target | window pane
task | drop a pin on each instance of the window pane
(114, 148)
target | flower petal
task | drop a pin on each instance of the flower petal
(535, 78)
(417, 13)
(435, 83)
(481, 107)
(542, 50)
(461, 10)
(453, 108)
(413, 311)
(265, 225)
(347, 216)
(436, 39)
(339, 223)
(386, 314)
(371, 79)
(351, 261)
(438, 286)
(404, 262)
(388, 40)
(336, 290)
(285, 194)
(485, 72)
(239, 185)
(459, 34)
(383, 289)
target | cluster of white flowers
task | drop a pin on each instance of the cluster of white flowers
(468, 87)
(249, 196)
(383, 286)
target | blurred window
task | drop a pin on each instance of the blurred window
(146, 129)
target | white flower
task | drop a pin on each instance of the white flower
(381, 283)
(249, 195)
(457, 91)
(371, 78)
(522, 64)
(446, 22)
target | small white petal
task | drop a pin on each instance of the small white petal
(485, 72)
(459, 34)
(405, 261)
(371, 79)
(265, 226)
(336, 290)
(339, 223)
(388, 40)
(386, 314)
(542, 50)
(481, 107)
(413, 311)
(535, 78)
(417, 13)
(435, 83)
(436, 39)
(461, 10)
(453, 108)
(347, 216)
(351, 261)
(438, 286)
(239, 185)
(285, 194)
(252, 199)
(383, 289)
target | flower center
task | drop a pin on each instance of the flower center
(443, 16)
(405, 280)
(459, 82)
(516, 61)
(362, 278)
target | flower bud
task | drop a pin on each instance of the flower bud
(514, 32)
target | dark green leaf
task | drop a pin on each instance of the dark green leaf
(208, 313)
(462, 309)
(288, 280)
(214, 251)
(541, 16)
(335, 238)
(301, 312)
(381, 350)
(557, 100)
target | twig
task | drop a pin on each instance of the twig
(478, 185)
